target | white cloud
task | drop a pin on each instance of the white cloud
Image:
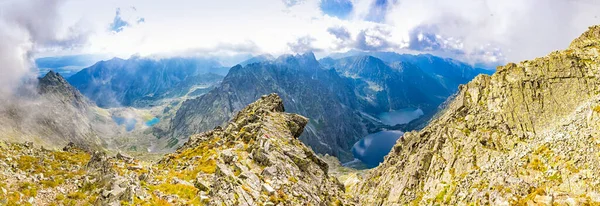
(26, 26)
(469, 30)
(521, 29)
(172, 26)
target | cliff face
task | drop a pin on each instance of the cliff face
(527, 134)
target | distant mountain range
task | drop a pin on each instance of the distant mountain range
(449, 72)
(136, 81)
(66, 65)
(341, 97)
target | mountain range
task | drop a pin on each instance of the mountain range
(139, 81)
(341, 97)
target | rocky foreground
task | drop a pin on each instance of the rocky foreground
(255, 160)
(527, 135)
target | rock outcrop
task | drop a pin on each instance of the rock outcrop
(529, 134)
(256, 159)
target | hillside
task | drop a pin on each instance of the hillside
(255, 160)
(52, 113)
(526, 135)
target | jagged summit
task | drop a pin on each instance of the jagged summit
(305, 60)
(52, 79)
(590, 38)
(526, 135)
(55, 86)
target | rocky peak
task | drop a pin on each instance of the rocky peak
(306, 60)
(55, 86)
(52, 79)
(590, 38)
(256, 159)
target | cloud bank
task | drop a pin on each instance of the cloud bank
(24, 27)
(482, 32)
(519, 29)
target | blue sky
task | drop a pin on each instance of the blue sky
(337, 8)
(474, 31)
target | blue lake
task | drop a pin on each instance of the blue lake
(374, 147)
(152, 122)
(401, 116)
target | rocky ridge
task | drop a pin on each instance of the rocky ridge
(256, 159)
(526, 135)
(54, 85)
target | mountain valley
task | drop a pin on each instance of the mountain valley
(343, 104)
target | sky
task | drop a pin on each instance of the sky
(483, 32)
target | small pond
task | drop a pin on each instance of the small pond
(152, 122)
(401, 116)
